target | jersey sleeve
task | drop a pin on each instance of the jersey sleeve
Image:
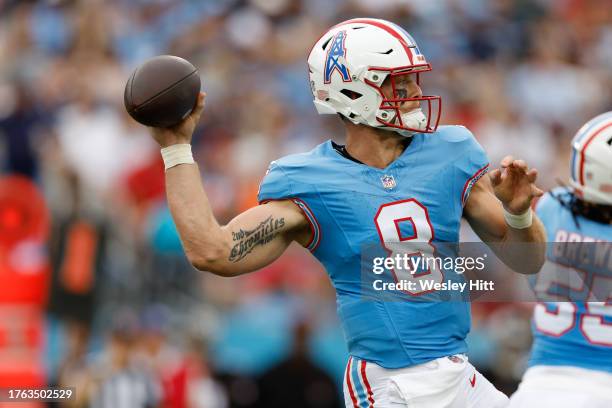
(275, 185)
(472, 165)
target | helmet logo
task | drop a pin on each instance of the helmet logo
(336, 58)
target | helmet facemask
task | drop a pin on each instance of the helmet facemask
(389, 112)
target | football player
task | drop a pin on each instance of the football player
(571, 360)
(399, 178)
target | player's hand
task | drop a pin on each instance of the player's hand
(182, 132)
(514, 185)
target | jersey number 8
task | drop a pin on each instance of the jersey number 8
(388, 220)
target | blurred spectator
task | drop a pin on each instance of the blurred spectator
(22, 125)
(77, 254)
(73, 370)
(203, 390)
(116, 379)
(297, 381)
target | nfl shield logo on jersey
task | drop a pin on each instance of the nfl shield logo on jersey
(388, 182)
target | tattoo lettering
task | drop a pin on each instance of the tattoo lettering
(248, 240)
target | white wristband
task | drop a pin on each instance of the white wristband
(521, 221)
(177, 154)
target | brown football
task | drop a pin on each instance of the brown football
(162, 91)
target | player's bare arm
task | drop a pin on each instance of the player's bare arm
(250, 241)
(511, 188)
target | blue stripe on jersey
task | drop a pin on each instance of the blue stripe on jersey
(471, 181)
(361, 394)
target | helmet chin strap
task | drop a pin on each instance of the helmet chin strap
(414, 119)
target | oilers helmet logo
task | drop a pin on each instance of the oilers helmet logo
(336, 58)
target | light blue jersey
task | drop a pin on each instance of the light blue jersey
(420, 196)
(574, 333)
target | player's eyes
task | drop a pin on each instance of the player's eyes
(404, 81)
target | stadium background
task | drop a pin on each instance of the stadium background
(94, 289)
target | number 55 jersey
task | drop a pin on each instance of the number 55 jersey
(579, 333)
(350, 206)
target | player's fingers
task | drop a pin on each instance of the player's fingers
(194, 117)
(495, 176)
(532, 175)
(536, 192)
(200, 104)
(505, 174)
(505, 162)
(520, 165)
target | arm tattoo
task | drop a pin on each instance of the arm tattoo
(247, 240)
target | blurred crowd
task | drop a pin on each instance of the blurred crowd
(126, 319)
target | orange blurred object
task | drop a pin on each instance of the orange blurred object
(77, 272)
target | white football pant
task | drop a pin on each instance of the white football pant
(563, 387)
(447, 382)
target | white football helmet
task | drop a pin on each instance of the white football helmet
(591, 163)
(348, 65)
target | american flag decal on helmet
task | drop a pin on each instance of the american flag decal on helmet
(417, 54)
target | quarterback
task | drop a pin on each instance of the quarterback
(571, 360)
(397, 169)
